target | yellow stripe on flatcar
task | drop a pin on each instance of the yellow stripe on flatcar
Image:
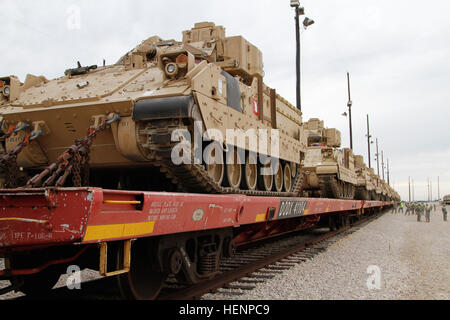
(122, 201)
(118, 230)
(23, 220)
(260, 217)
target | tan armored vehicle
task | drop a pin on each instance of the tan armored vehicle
(364, 185)
(373, 182)
(378, 188)
(384, 190)
(393, 195)
(329, 171)
(158, 119)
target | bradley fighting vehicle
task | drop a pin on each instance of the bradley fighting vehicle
(365, 186)
(393, 195)
(446, 199)
(377, 194)
(158, 119)
(329, 171)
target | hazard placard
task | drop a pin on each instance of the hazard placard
(255, 107)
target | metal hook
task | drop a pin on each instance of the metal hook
(34, 136)
(115, 118)
(23, 126)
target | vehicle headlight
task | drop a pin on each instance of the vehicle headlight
(171, 69)
(6, 91)
(182, 61)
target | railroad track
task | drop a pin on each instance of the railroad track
(252, 264)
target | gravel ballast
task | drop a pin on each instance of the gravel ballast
(413, 260)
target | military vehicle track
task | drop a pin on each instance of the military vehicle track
(194, 177)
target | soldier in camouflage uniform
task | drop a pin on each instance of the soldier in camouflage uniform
(427, 212)
(408, 207)
(444, 212)
(413, 208)
(418, 210)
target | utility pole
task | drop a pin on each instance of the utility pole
(378, 159)
(388, 171)
(412, 189)
(409, 188)
(439, 194)
(299, 11)
(382, 164)
(431, 190)
(368, 141)
(349, 104)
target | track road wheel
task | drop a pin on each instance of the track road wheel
(293, 168)
(216, 169)
(279, 178)
(287, 175)
(234, 171)
(250, 173)
(145, 279)
(265, 182)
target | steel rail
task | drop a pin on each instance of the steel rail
(196, 291)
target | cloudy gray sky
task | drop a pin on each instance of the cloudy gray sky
(397, 53)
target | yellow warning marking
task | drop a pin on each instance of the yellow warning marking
(122, 201)
(23, 220)
(306, 211)
(118, 230)
(260, 217)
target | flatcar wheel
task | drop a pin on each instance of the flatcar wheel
(287, 178)
(265, 182)
(234, 171)
(39, 283)
(143, 281)
(250, 173)
(279, 178)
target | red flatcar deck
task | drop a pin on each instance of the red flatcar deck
(31, 218)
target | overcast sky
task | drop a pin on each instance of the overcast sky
(397, 53)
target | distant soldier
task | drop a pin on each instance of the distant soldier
(408, 207)
(413, 208)
(418, 210)
(427, 212)
(402, 204)
(444, 212)
(394, 207)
